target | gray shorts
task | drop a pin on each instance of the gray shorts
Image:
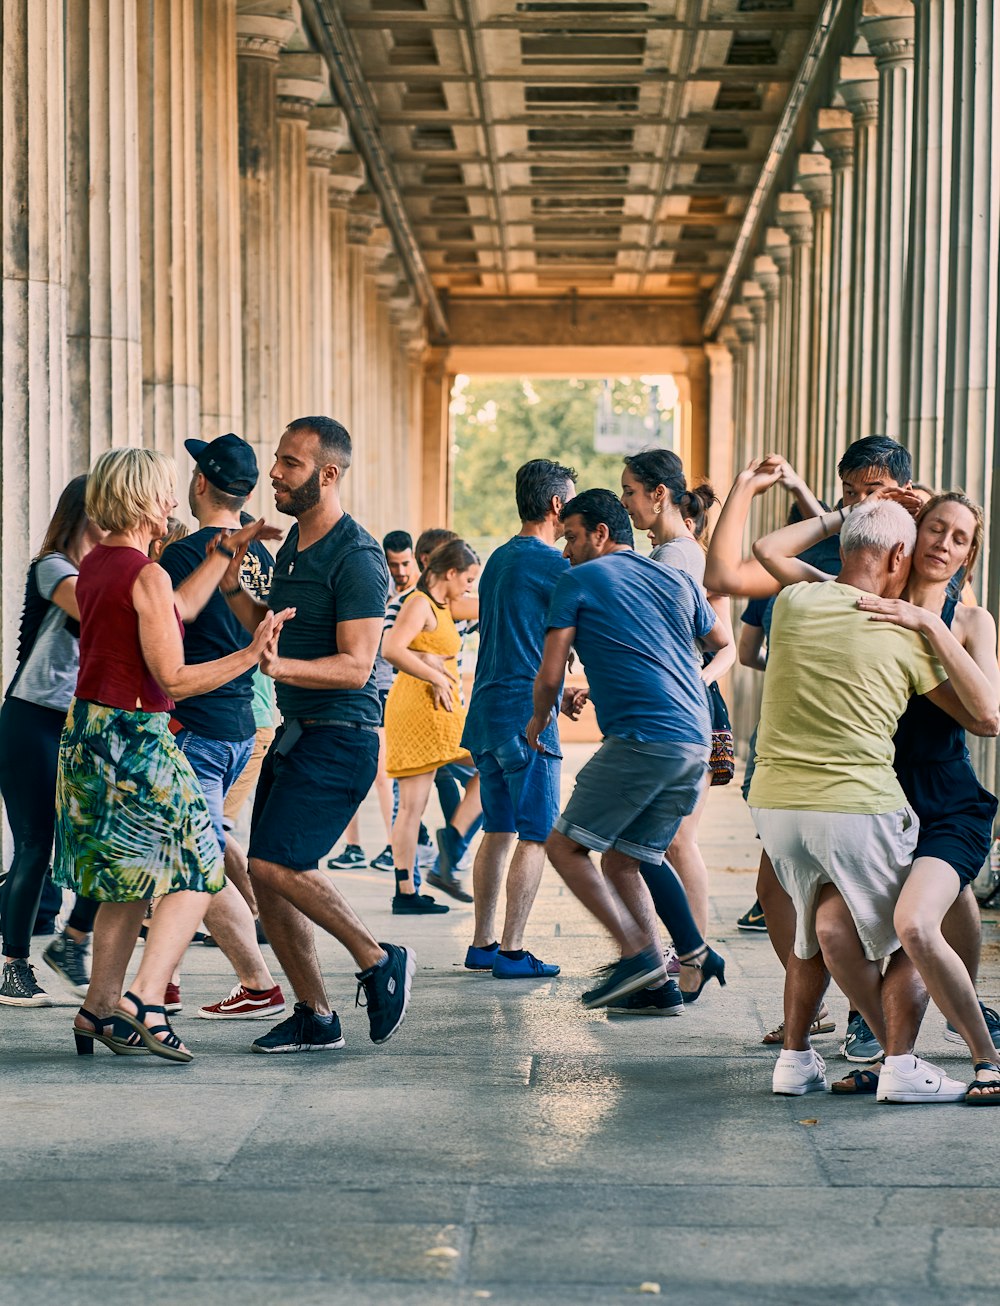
(866, 859)
(632, 796)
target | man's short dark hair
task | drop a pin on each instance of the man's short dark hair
(537, 483)
(877, 452)
(334, 442)
(397, 542)
(595, 507)
(219, 499)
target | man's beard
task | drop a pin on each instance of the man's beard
(301, 499)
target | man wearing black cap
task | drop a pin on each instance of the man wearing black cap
(216, 731)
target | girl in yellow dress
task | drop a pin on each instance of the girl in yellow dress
(424, 713)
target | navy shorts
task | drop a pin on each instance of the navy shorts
(306, 796)
(519, 790)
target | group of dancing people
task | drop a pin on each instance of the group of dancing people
(142, 717)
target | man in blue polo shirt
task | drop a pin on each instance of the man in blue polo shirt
(519, 786)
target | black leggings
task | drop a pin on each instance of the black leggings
(29, 757)
(671, 902)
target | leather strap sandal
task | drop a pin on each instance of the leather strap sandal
(169, 1047)
(112, 1032)
(984, 1092)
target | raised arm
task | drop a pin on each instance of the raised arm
(778, 551)
(751, 648)
(726, 570)
(720, 638)
(226, 551)
(555, 655)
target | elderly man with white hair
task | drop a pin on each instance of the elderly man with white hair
(828, 807)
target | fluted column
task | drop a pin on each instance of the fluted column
(859, 87)
(259, 39)
(327, 132)
(814, 177)
(794, 216)
(887, 26)
(33, 264)
(746, 331)
(104, 313)
(761, 304)
(299, 85)
(361, 220)
(216, 144)
(835, 134)
(168, 234)
(778, 249)
(720, 421)
(346, 177)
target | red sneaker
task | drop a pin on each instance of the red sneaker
(172, 999)
(244, 1005)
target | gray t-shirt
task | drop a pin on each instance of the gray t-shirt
(48, 674)
(685, 554)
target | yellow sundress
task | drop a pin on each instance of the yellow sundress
(420, 737)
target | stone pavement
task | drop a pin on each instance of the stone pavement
(505, 1146)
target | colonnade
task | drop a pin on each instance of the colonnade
(870, 303)
(189, 247)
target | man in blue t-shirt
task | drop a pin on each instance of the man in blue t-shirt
(519, 786)
(216, 731)
(634, 624)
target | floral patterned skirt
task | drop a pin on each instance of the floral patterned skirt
(131, 819)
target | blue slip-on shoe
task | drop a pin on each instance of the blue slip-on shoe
(526, 967)
(992, 1019)
(481, 958)
(861, 1045)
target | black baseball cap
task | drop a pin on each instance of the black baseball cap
(227, 462)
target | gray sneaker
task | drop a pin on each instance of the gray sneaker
(860, 1043)
(992, 1019)
(18, 988)
(70, 961)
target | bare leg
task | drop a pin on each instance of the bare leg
(523, 878)
(352, 834)
(904, 1001)
(383, 787)
(469, 809)
(629, 886)
(230, 922)
(928, 896)
(963, 928)
(845, 958)
(413, 793)
(806, 982)
(487, 875)
(779, 911)
(685, 857)
(116, 929)
(174, 922)
(238, 873)
(585, 881)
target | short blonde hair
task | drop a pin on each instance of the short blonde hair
(128, 487)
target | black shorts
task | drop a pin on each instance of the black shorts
(306, 796)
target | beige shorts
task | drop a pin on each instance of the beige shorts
(866, 859)
(245, 783)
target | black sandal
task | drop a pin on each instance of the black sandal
(122, 1040)
(711, 965)
(992, 1096)
(858, 1081)
(170, 1047)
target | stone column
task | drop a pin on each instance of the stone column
(327, 132)
(171, 405)
(835, 134)
(362, 218)
(33, 438)
(412, 466)
(814, 178)
(217, 149)
(720, 419)
(260, 35)
(794, 216)
(435, 478)
(887, 26)
(746, 333)
(104, 314)
(926, 302)
(299, 84)
(760, 303)
(346, 177)
(859, 87)
(778, 248)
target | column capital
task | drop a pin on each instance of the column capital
(767, 277)
(326, 133)
(778, 248)
(301, 80)
(859, 86)
(742, 316)
(729, 336)
(835, 133)
(888, 29)
(263, 27)
(362, 218)
(347, 175)
(794, 216)
(814, 177)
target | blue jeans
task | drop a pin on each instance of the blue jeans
(217, 763)
(519, 789)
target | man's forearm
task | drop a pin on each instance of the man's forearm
(544, 698)
(339, 671)
(245, 608)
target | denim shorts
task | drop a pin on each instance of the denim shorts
(519, 790)
(307, 795)
(217, 763)
(633, 795)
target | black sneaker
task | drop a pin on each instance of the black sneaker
(19, 988)
(384, 861)
(667, 1000)
(753, 921)
(301, 1032)
(449, 884)
(387, 991)
(417, 904)
(626, 976)
(351, 859)
(69, 961)
(262, 940)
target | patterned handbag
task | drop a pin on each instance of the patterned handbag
(722, 762)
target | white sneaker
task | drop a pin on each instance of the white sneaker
(924, 1083)
(792, 1079)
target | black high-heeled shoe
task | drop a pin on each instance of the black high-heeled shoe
(110, 1031)
(711, 965)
